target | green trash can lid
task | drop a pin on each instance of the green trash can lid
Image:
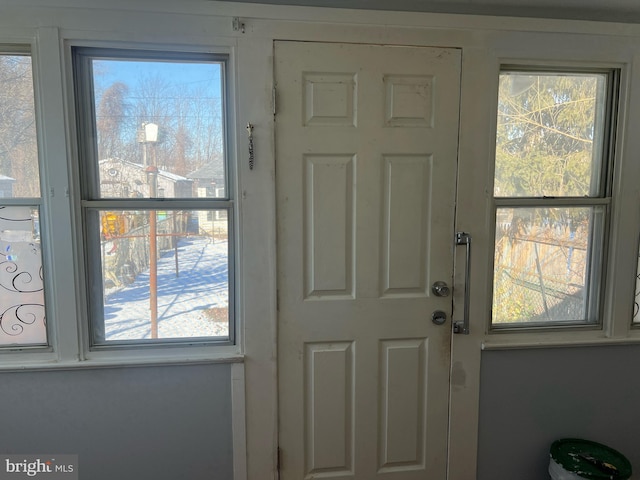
(590, 460)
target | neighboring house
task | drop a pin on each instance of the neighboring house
(121, 178)
(209, 182)
(124, 179)
(6, 186)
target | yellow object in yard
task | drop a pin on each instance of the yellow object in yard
(112, 224)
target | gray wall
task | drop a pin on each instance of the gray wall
(157, 423)
(529, 398)
(175, 421)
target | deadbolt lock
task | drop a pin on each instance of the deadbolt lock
(438, 317)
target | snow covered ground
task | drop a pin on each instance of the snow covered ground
(194, 304)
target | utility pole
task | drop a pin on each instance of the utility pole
(150, 135)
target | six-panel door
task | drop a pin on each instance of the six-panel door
(366, 149)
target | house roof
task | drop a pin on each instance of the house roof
(208, 171)
(163, 173)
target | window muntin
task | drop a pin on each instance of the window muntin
(157, 155)
(22, 299)
(551, 195)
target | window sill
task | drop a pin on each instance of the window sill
(512, 341)
(111, 360)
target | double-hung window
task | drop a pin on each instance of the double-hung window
(22, 297)
(552, 195)
(156, 197)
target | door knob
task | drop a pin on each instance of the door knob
(438, 317)
(440, 289)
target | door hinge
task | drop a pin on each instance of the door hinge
(238, 25)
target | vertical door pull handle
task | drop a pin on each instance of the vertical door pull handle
(463, 238)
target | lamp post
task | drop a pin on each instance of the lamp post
(149, 134)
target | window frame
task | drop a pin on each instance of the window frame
(475, 212)
(596, 269)
(39, 351)
(91, 199)
(61, 211)
(178, 350)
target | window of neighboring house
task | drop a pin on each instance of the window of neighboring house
(552, 195)
(159, 270)
(22, 299)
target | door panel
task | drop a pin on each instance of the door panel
(366, 148)
(329, 220)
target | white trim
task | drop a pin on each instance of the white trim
(238, 422)
(558, 343)
(293, 13)
(256, 199)
(625, 220)
(29, 365)
(56, 217)
(475, 141)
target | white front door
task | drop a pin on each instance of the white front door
(366, 149)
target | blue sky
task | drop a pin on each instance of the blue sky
(183, 75)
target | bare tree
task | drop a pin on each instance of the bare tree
(18, 145)
(111, 119)
(189, 117)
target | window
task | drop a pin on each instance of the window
(552, 194)
(22, 300)
(152, 144)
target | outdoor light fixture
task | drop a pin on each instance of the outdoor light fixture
(148, 133)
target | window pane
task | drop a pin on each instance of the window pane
(541, 265)
(549, 134)
(19, 176)
(189, 279)
(163, 114)
(22, 313)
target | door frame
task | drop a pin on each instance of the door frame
(465, 352)
(475, 142)
(485, 42)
